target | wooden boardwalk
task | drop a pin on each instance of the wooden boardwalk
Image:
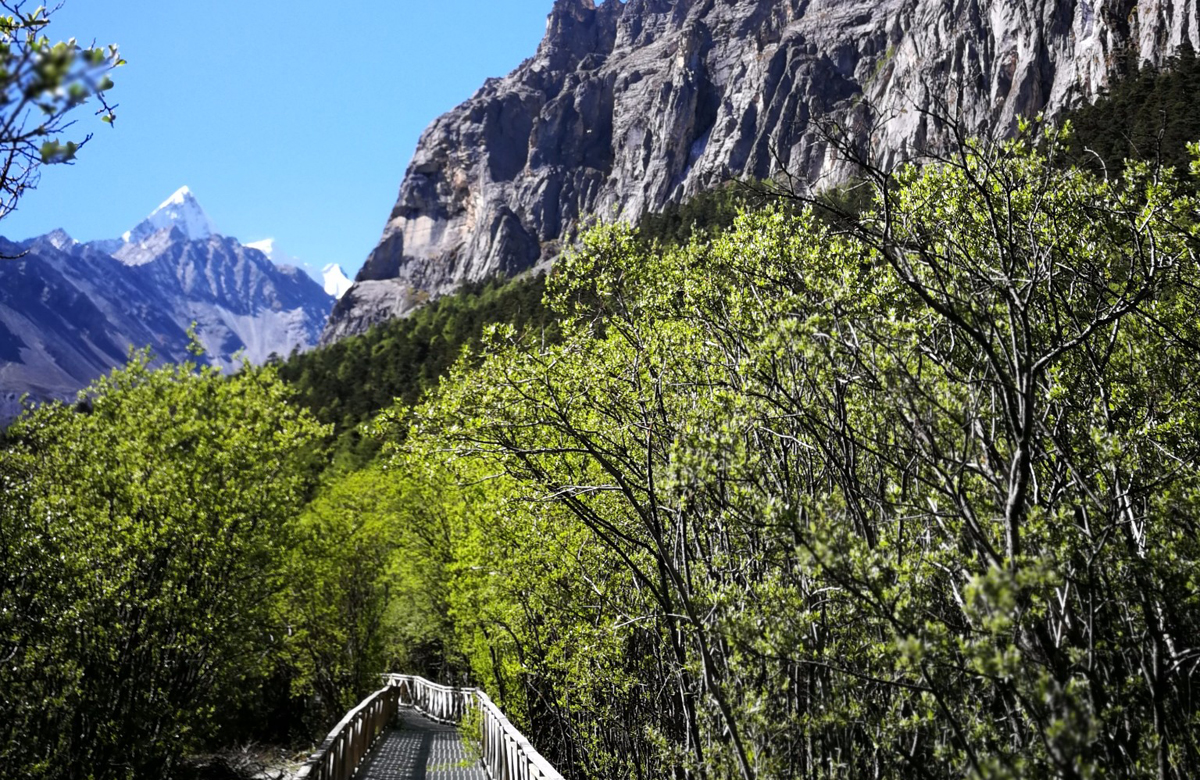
(406, 730)
(420, 748)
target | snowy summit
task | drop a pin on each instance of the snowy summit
(59, 239)
(181, 210)
(336, 281)
(332, 276)
(276, 255)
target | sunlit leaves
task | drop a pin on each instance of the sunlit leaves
(41, 83)
(915, 497)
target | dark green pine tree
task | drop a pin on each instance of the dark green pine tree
(348, 383)
(1148, 114)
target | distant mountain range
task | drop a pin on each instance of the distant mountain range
(70, 311)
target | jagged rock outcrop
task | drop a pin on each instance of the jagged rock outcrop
(627, 107)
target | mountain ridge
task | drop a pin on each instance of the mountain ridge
(70, 311)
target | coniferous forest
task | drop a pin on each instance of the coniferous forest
(743, 491)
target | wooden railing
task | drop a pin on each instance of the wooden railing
(350, 741)
(504, 751)
(506, 754)
(437, 702)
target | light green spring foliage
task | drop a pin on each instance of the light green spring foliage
(338, 588)
(365, 591)
(43, 83)
(916, 500)
(375, 571)
(142, 544)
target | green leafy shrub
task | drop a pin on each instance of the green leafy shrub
(141, 545)
(916, 498)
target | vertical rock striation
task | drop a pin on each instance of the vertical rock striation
(630, 106)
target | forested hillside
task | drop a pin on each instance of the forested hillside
(347, 383)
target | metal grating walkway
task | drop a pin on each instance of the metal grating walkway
(421, 748)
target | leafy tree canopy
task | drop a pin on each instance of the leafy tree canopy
(42, 84)
(915, 500)
(141, 542)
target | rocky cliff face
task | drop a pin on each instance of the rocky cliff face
(629, 106)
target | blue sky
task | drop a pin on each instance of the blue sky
(289, 119)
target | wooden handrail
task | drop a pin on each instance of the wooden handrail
(507, 754)
(351, 739)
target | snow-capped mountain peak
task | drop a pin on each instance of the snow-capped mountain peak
(269, 248)
(181, 210)
(336, 282)
(178, 198)
(332, 276)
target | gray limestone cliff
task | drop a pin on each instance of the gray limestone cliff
(630, 106)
